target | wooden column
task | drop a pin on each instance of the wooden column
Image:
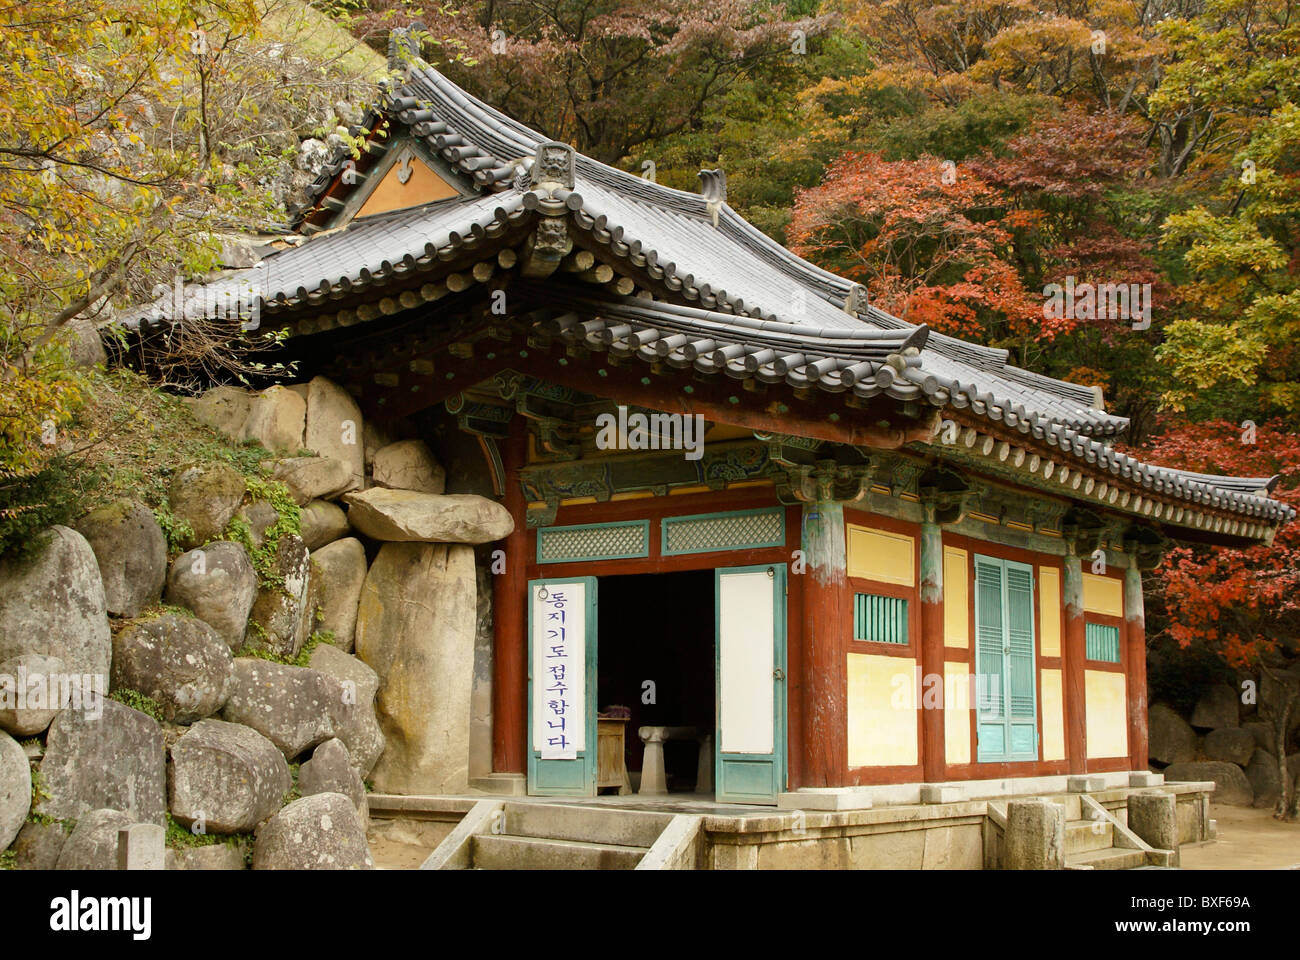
(1073, 649)
(825, 646)
(1135, 654)
(510, 620)
(932, 730)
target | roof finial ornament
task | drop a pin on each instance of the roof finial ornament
(713, 187)
(855, 301)
(554, 167)
(404, 46)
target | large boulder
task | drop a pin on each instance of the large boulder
(330, 771)
(212, 856)
(15, 789)
(92, 844)
(354, 715)
(1261, 732)
(226, 775)
(1232, 744)
(32, 692)
(179, 661)
(1171, 738)
(1231, 785)
(405, 516)
(320, 832)
(1264, 780)
(281, 618)
(1272, 696)
(205, 496)
(415, 627)
(310, 478)
(224, 409)
(81, 336)
(54, 604)
(218, 582)
(259, 516)
(340, 570)
(38, 845)
(335, 427)
(276, 419)
(111, 757)
(321, 523)
(132, 555)
(408, 465)
(1218, 707)
(293, 707)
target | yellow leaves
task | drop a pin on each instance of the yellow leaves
(1202, 355)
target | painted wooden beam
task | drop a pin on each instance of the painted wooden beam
(1073, 645)
(825, 646)
(510, 620)
(931, 647)
(1136, 657)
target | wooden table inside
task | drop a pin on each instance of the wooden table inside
(611, 754)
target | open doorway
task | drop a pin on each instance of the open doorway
(657, 667)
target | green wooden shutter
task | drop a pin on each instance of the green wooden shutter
(1022, 715)
(879, 619)
(989, 659)
(1007, 720)
(1102, 642)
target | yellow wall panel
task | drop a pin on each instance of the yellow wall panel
(956, 712)
(1103, 595)
(882, 711)
(880, 555)
(1107, 714)
(956, 598)
(1053, 715)
(1049, 611)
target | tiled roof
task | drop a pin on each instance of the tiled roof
(752, 308)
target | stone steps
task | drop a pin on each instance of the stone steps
(1108, 858)
(493, 852)
(626, 828)
(1084, 835)
(524, 835)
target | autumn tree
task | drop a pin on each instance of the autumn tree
(1241, 604)
(132, 136)
(607, 76)
(929, 239)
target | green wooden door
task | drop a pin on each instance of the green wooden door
(562, 686)
(1006, 700)
(750, 740)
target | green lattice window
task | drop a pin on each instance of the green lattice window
(594, 541)
(1102, 642)
(878, 619)
(740, 530)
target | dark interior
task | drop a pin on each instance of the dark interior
(659, 627)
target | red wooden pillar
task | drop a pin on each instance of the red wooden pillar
(932, 730)
(825, 665)
(1136, 657)
(510, 623)
(1073, 650)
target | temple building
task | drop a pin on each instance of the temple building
(810, 546)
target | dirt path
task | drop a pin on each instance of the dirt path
(1249, 839)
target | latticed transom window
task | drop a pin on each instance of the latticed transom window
(1102, 642)
(594, 541)
(744, 529)
(878, 619)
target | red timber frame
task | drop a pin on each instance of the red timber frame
(810, 763)
(510, 737)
